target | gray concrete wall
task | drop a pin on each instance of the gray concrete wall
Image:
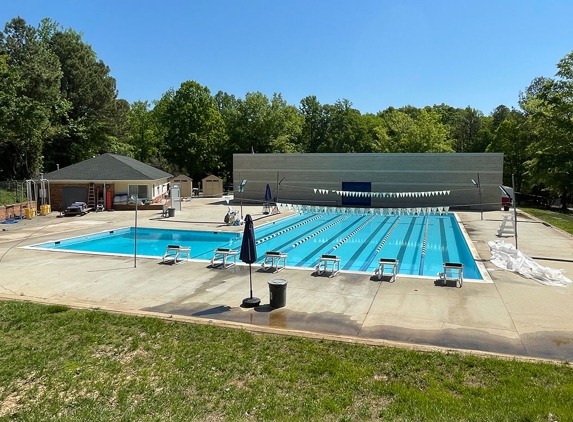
(302, 173)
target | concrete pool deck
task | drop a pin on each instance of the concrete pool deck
(510, 315)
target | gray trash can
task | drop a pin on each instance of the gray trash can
(277, 292)
(171, 212)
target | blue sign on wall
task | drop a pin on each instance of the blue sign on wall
(356, 201)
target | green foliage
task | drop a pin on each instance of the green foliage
(29, 99)
(403, 133)
(65, 364)
(512, 136)
(95, 121)
(57, 101)
(194, 129)
(144, 136)
(549, 106)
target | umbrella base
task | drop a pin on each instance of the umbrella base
(251, 302)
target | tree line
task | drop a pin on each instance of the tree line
(59, 105)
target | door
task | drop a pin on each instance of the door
(73, 194)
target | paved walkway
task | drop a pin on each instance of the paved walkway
(506, 314)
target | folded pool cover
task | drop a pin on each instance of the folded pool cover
(504, 255)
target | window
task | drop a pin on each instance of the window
(139, 190)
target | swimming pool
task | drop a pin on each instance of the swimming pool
(421, 243)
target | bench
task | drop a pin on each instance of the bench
(393, 267)
(175, 254)
(325, 261)
(274, 259)
(221, 255)
(453, 271)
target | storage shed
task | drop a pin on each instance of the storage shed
(185, 183)
(212, 186)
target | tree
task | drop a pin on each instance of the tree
(426, 133)
(466, 129)
(549, 105)
(29, 99)
(314, 125)
(91, 92)
(194, 131)
(286, 127)
(499, 114)
(144, 137)
(512, 137)
(346, 130)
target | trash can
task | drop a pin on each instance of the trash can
(277, 292)
(28, 212)
(171, 212)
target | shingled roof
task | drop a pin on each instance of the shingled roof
(108, 167)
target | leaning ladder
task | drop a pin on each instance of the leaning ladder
(91, 196)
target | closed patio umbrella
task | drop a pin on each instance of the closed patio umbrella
(249, 255)
(268, 195)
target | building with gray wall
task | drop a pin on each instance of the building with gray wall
(376, 180)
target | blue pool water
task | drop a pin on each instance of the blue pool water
(421, 243)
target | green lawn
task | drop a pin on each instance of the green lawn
(553, 217)
(80, 365)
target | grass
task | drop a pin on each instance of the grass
(72, 365)
(551, 216)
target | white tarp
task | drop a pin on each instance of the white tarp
(504, 255)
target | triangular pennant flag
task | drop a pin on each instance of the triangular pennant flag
(315, 191)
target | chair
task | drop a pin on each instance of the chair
(165, 212)
(221, 255)
(266, 207)
(393, 266)
(274, 259)
(325, 261)
(175, 254)
(453, 271)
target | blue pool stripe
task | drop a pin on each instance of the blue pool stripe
(278, 233)
(350, 235)
(350, 262)
(404, 246)
(381, 245)
(316, 251)
(444, 240)
(294, 245)
(424, 246)
(287, 245)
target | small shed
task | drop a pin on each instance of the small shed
(185, 183)
(212, 186)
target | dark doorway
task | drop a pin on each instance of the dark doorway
(356, 201)
(73, 194)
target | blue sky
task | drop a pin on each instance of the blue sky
(375, 53)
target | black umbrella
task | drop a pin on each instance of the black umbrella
(249, 255)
